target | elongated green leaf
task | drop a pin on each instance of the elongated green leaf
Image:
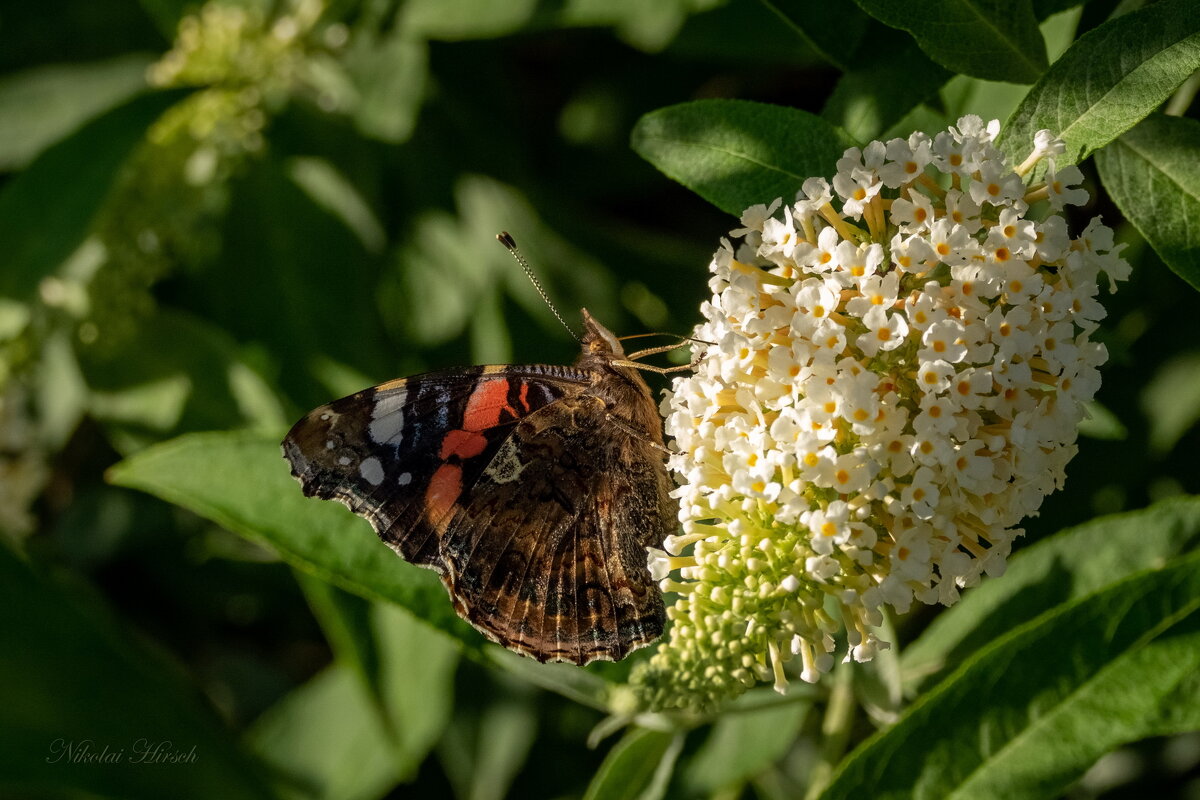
(1109, 80)
(834, 30)
(40, 106)
(1063, 568)
(40, 223)
(1032, 711)
(87, 706)
(991, 39)
(325, 742)
(743, 743)
(637, 767)
(416, 669)
(735, 153)
(240, 481)
(1171, 400)
(1153, 175)
(875, 95)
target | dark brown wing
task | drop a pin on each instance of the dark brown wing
(547, 554)
(402, 453)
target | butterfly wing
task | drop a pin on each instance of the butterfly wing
(546, 555)
(402, 453)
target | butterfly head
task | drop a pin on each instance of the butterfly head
(599, 340)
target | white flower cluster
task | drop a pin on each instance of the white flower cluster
(885, 393)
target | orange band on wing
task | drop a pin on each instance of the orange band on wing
(442, 494)
(485, 404)
(463, 444)
(523, 397)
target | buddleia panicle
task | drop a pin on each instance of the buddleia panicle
(884, 393)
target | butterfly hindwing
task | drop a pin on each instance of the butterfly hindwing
(400, 454)
(547, 554)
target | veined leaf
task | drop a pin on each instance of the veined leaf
(735, 153)
(240, 481)
(1033, 710)
(1109, 80)
(1153, 175)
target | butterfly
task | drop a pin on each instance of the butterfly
(533, 491)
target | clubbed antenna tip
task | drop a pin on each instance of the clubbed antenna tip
(506, 239)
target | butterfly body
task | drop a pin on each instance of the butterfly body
(532, 490)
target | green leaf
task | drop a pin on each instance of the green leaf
(175, 374)
(325, 742)
(990, 39)
(834, 30)
(1033, 710)
(579, 685)
(240, 481)
(1171, 400)
(42, 105)
(72, 682)
(1153, 175)
(40, 223)
(390, 72)
(404, 673)
(743, 743)
(1109, 80)
(1074, 563)
(876, 95)
(735, 153)
(638, 767)
(416, 669)
(457, 20)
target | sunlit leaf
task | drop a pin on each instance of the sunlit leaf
(735, 153)
(1110, 79)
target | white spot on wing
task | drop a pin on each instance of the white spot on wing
(371, 470)
(387, 418)
(405, 479)
(344, 461)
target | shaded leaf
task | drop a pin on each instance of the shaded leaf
(638, 766)
(325, 742)
(1057, 570)
(40, 224)
(73, 683)
(834, 30)
(1153, 175)
(744, 743)
(1171, 400)
(1061, 690)
(735, 153)
(989, 39)
(240, 481)
(875, 95)
(1110, 79)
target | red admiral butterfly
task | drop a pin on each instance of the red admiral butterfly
(533, 491)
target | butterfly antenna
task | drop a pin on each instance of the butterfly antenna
(506, 239)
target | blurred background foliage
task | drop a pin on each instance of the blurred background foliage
(217, 217)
